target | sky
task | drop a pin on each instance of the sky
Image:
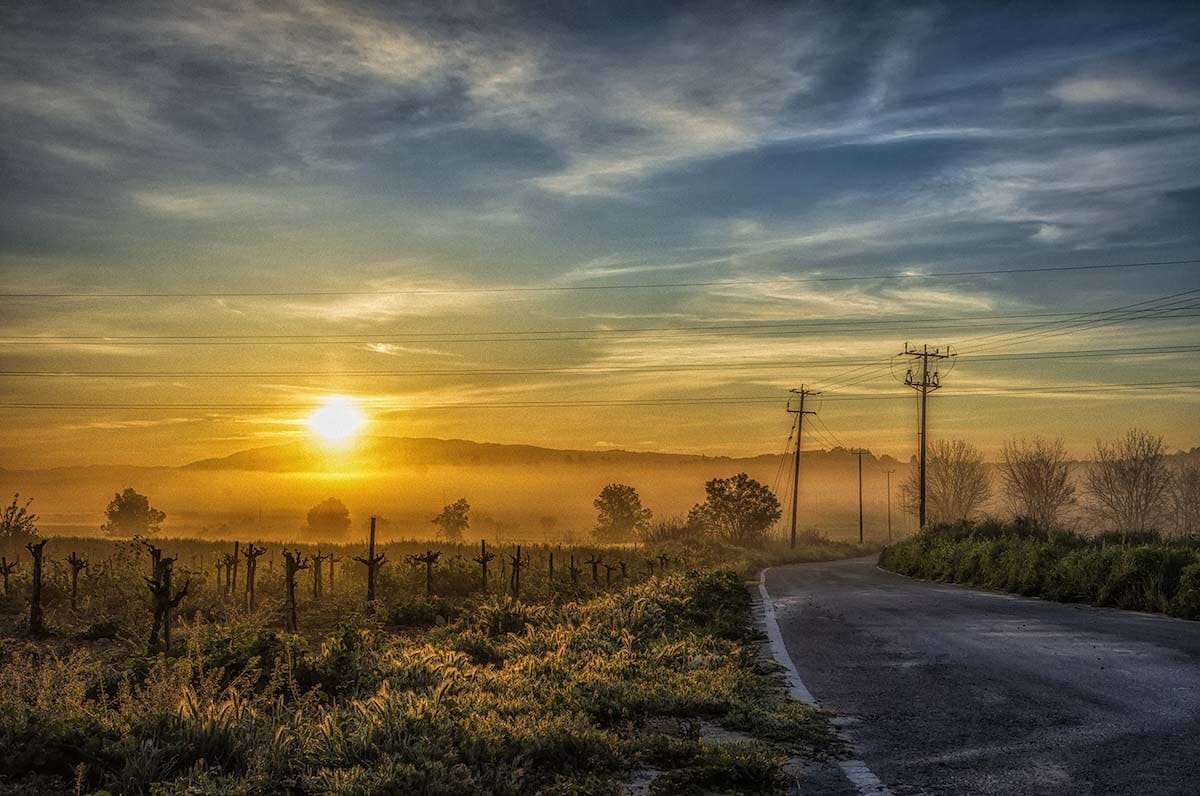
(593, 225)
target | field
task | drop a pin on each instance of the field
(629, 665)
(1144, 572)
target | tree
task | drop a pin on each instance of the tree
(1185, 499)
(1128, 482)
(620, 514)
(1037, 480)
(329, 519)
(129, 513)
(739, 509)
(453, 520)
(956, 482)
(17, 522)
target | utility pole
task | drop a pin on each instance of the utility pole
(888, 473)
(924, 384)
(800, 412)
(859, 453)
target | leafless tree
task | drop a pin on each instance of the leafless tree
(1128, 482)
(956, 482)
(1037, 480)
(1184, 499)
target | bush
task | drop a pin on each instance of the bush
(1152, 575)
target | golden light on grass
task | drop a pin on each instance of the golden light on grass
(337, 421)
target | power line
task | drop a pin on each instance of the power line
(661, 333)
(713, 400)
(568, 288)
(1095, 353)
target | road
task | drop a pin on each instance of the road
(945, 689)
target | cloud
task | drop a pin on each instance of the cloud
(221, 202)
(1125, 90)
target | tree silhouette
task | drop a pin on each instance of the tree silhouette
(738, 508)
(956, 482)
(1037, 480)
(453, 520)
(17, 522)
(1128, 482)
(129, 513)
(329, 519)
(620, 513)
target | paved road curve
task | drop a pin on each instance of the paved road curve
(952, 690)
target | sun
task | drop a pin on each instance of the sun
(337, 421)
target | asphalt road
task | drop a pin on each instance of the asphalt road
(945, 689)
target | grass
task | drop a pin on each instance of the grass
(1144, 573)
(568, 691)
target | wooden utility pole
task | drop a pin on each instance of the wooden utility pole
(888, 473)
(373, 563)
(799, 412)
(859, 453)
(924, 384)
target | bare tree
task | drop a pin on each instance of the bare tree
(956, 482)
(1184, 499)
(1037, 480)
(1128, 482)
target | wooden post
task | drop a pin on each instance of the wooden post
(595, 562)
(373, 563)
(6, 568)
(77, 564)
(252, 552)
(163, 603)
(574, 570)
(236, 559)
(551, 566)
(293, 563)
(428, 558)
(515, 581)
(37, 624)
(482, 560)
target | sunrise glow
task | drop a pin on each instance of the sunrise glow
(337, 421)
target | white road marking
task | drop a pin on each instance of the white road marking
(856, 771)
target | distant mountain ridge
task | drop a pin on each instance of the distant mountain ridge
(387, 452)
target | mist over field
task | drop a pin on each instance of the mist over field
(516, 491)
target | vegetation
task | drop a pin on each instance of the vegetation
(17, 521)
(956, 482)
(129, 513)
(453, 520)
(1129, 482)
(620, 514)
(737, 509)
(1142, 572)
(434, 687)
(1036, 477)
(329, 519)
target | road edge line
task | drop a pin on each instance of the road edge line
(856, 771)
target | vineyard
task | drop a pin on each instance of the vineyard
(172, 666)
